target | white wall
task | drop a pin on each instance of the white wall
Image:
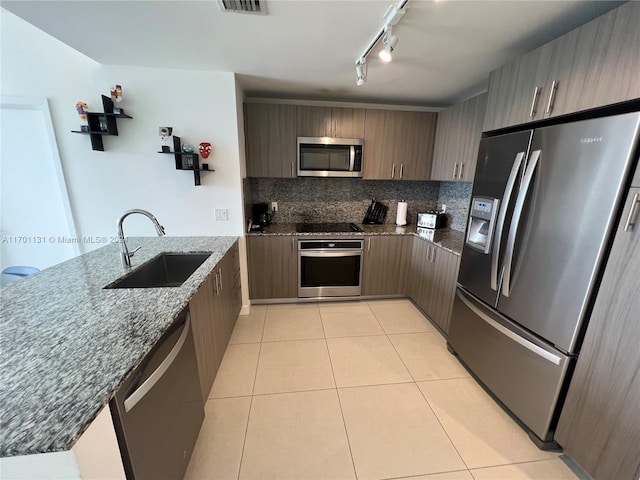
(201, 106)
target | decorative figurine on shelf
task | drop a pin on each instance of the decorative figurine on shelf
(205, 150)
(81, 108)
(165, 133)
(187, 148)
(116, 93)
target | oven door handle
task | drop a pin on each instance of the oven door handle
(331, 253)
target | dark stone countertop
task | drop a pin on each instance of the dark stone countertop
(450, 240)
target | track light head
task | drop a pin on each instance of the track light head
(389, 41)
(361, 75)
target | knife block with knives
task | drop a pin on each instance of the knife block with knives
(376, 213)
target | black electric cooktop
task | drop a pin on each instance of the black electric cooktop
(326, 227)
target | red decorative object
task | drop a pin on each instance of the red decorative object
(205, 150)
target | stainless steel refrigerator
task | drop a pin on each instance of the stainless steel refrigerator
(543, 207)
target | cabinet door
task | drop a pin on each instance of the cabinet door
(598, 63)
(201, 311)
(419, 273)
(415, 145)
(599, 425)
(273, 266)
(314, 122)
(458, 133)
(384, 267)
(382, 134)
(270, 140)
(516, 90)
(442, 284)
(347, 122)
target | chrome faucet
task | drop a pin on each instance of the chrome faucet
(124, 251)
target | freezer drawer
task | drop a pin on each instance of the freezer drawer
(523, 372)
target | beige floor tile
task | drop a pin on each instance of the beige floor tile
(249, 328)
(293, 366)
(347, 324)
(292, 306)
(354, 308)
(393, 433)
(544, 470)
(237, 371)
(426, 356)
(295, 323)
(481, 431)
(366, 361)
(296, 436)
(400, 316)
(218, 451)
(459, 475)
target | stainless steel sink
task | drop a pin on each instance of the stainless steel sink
(165, 270)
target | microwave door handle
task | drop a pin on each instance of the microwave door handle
(515, 221)
(506, 200)
(352, 157)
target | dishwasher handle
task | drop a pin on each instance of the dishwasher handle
(150, 382)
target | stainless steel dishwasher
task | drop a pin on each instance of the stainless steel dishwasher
(158, 410)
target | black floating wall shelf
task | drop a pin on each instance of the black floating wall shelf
(102, 123)
(188, 161)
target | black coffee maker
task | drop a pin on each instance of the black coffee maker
(260, 214)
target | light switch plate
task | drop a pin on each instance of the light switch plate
(274, 206)
(222, 215)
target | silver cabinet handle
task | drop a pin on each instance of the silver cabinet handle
(292, 170)
(149, 383)
(215, 279)
(515, 221)
(461, 176)
(220, 276)
(532, 347)
(534, 103)
(393, 170)
(335, 128)
(401, 170)
(369, 245)
(293, 244)
(633, 213)
(433, 254)
(552, 96)
(506, 199)
(455, 170)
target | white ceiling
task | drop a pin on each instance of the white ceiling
(307, 48)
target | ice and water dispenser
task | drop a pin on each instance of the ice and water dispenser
(482, 220)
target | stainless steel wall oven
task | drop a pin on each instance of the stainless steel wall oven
(329, 268)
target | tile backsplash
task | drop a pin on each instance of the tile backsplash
(347, 200)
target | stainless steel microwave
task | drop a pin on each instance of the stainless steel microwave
(329, 157)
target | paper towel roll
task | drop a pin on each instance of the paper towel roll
(401, 215)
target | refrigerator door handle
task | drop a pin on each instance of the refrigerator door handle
(515, 221)
(532, 347)
(508, 191)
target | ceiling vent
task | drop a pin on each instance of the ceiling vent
(244, 6)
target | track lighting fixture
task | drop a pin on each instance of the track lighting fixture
(392, 16)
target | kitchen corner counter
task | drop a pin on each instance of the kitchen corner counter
(66, 344)
(451, 240)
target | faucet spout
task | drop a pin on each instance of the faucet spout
(124, 251)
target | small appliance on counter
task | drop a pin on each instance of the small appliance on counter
(432, 219)
(376, 213)
(260, 214)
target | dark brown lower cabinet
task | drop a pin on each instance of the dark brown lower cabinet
(432, 280)
(273, 266)
(599, 427)
(385, 262)
(214, 309)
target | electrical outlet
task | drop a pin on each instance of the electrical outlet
(222, 215)
(274, 206)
